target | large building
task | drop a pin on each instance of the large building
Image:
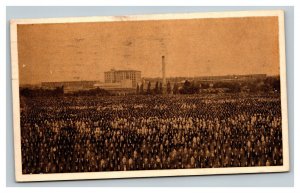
(119, 76)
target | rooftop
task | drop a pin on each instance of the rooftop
(127, 70)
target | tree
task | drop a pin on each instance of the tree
(175, 88)
(272, 83)
(137, 89)
(195, 88)
(186, 87)
(142, 89)
(236, 87)
(252, 87)
(189, 88)
(160, 90)
(156, 88)
(233, 87)
(276, 85)
(169, 88)
(204, 85)
(149, 88)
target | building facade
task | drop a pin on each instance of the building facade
(118, 76)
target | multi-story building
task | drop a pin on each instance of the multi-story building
(118, 76)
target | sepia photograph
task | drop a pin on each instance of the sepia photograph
(149, 95)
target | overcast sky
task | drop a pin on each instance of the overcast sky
(198, 47)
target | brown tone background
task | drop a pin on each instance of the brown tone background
(196, 47)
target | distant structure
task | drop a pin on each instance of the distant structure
(70, 86)
(164, 81)
(133, 77)
(245, 77)
(115, 81)
(211, 80)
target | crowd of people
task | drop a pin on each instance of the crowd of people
(120, 133)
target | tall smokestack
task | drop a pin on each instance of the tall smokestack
(164, 82)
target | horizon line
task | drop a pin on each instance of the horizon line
(267, 75)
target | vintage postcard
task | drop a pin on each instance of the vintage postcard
(149, 95)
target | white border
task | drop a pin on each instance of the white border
(201, 15)
(146, 173)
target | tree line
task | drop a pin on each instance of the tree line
(59, 91)
(32, 92)
(188, 88)
(269, 84)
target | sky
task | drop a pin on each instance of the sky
(194, 47)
